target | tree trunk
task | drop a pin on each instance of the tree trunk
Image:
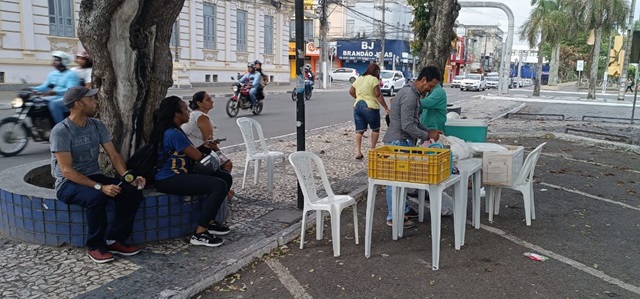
(595, 58)
(128, 41)
(538, 81)
(437, 46)
(554, 65)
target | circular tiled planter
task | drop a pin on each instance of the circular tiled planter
(33, 214)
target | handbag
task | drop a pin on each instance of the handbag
(208, 165)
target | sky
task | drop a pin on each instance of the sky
(495, 16)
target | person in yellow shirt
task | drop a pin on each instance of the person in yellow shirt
(366, 110)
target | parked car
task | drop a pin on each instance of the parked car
(492, 82)
(457, 81)
(345, 74)
(474, 82)
(391, 81)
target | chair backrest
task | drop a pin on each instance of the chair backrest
(253, 145)
(529, 165)
(303, 163)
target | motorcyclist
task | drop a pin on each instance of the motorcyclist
(265, 79)
(255, 79)
(57, 83)
(308, 77)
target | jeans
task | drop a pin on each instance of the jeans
(56, 108)
(213, 188)
(253, 92)
(94, 203)
(364, 117)
(389, 194)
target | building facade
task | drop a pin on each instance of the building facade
(212, 40)
(484, 48)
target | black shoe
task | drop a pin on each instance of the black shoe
(206, 239)
(411, 214)
(218, 229)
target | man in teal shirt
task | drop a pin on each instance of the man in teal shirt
(434, 109)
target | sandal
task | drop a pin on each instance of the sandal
(359, 157)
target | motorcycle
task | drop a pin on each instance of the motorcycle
(308, 91)
(32, 120)
(242, 100)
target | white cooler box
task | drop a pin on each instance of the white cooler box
(501, 168)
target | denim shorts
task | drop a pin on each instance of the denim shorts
(364, 117)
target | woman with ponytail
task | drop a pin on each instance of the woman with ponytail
(176, 176)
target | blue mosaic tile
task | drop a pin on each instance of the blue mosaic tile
(10, 198)
(150, 224)
(28, 224)
(38, 215)
(49, 204)
(138, 226)
(138, 238)
(64, 239)
(186, 218)
(63, 229)
(38, 226)
(39, 238)
(77, 217)
(20, 234)
(151, 212)
(27, 213)
(77, 241)
(50, 228)
(75, 209)
(175, 232)
(163, 222)
(3, 194)
(18, 211)
(26, 201)
(62, 216)
(152, 235)
(163, 234)
(163, 211)
(151, 201)
(13, 232)
(175, 209)
(77, 229)
(49, 216)
(139, 215)
(51, 239)
(163, 200)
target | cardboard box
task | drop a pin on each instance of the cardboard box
(501, 168)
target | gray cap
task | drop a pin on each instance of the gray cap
(76, 93)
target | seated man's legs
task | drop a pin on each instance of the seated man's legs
(56, 107)
(252, 95)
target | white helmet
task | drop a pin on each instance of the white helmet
(64, 57)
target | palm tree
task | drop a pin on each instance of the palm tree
(601, 17)
(548, 22)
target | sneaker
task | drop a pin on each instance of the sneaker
(122, 249)
(100, 256)
(206, 239)
(407, 223)
(411, 214)
(218, 229)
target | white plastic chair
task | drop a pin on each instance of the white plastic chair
(303, 163)
(257, 150)
(524, 184)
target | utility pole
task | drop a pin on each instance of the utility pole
(323, 41)
(382, 34)
(300, 117)
(623, 77)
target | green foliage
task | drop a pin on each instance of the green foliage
(631, 72)
(420, 23)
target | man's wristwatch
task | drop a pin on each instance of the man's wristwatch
(97, 187)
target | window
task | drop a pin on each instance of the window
(61, 20)
(308, 30)
(268, 35)
(209, 20)
(351, 24)
(175, 35)
(241, 34)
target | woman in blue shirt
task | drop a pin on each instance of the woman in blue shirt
(177, 156)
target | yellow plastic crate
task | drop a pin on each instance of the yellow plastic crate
(410, 164)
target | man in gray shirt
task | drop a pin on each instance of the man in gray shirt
(75, 146)
(405, 127)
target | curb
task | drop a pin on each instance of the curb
(254, 251)
(569, 102)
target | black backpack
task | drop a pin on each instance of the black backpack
(144, 162)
